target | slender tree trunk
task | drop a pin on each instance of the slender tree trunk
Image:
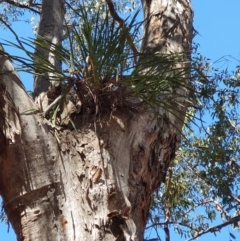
(51, 30)
(94, 183)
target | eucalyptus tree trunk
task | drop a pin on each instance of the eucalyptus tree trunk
(51, 30)
(94, 183)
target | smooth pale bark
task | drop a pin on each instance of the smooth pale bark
(50, 29)
(96, 183)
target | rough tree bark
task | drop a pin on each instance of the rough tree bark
(96, 184)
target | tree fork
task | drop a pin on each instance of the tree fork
(95, 184)
(91, 177)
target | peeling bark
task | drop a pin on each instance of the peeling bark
(96, 183)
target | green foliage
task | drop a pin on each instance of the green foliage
(205, 183)
(101, 67)
(102, 51)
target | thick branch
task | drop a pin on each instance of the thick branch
(51, 30)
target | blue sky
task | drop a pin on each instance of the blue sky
(217, 22)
